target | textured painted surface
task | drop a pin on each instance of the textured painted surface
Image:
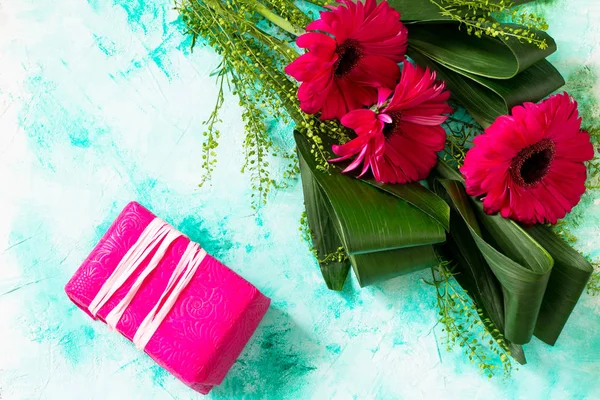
(102, 103)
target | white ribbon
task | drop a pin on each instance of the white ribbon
(159, 234)
(183, 274)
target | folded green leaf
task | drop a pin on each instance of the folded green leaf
(323, 231)
(379, 266)
(487, 75)
(384, 235)
(569, 277)
(487, 99)
(426, 10)
(486, 56)
(420, 197)
(519, 263)
(417, 10)
(475, 276)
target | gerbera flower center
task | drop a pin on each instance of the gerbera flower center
(532, 164)
(390, 128)
(350, 52)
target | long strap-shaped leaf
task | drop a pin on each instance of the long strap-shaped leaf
(486, 98)
(323, 230)
(426, 10)
(475, 276)
(519, 263)
(568, 280)
(568, 277)
(417, 10)
(488, 57)
(383, 234)
(487, 75)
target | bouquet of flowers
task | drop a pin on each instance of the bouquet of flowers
(423, 141)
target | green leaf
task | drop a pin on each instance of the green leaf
(417, 10)
(473, 272)
(371, 268)
(384, 235)
(487, 99)
(420, 197)
(486, 56)
(519, 263)
(569, 277)
(475, 276)
(425, 10)
(323, 231)
(487, 75)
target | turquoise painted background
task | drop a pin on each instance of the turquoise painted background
(101, 103)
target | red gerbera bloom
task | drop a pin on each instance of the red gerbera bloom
(357, 50)
(530, 166)
(399, 140)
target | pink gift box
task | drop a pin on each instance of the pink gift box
(209, 324)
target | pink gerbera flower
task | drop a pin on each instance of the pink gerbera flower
(530, 166)
(399, 140)
(357, 49)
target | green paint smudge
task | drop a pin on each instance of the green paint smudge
(74, 344)
(275, 361)
(94, 4)
(145, 14)
(51, 122)
(107, 46)
(162, 61)
(158, 375)
(581, 84)
(216, 244)
(136, 10)
(334, 348)
(112, 213)
(80, 138)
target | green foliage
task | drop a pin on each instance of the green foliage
(334, 257)
(480, 17)
(364, 219)
(593, 287)
(593, 166)
(466, 325)
(252, 66)
(286, 10)
(460, 128)
(304, 229)
(561, 229)
(488, 77)
(212, 132)
(254, 39)
(592, 183)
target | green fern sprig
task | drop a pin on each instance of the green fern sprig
(212, 132)
(593, 166)
(253, 62)
(480, 17)
(467, 326)
(338, 256)
(593, 286)
(460, 128)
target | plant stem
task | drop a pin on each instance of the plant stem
(277, 20)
